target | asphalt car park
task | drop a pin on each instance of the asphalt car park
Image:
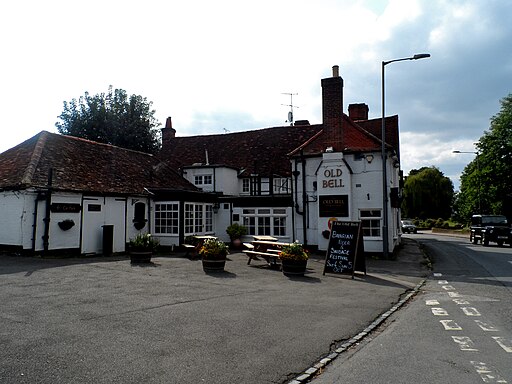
(104, 320)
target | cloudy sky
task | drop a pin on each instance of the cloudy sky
(226, 65)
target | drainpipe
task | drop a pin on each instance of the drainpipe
(34, 226)
(304, 198)
(46, 237)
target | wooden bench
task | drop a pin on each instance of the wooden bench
(249, 246)
(270, 258)
(188, 248)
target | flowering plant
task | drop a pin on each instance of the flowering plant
(213, 249)
(143, 242)
(294, 251)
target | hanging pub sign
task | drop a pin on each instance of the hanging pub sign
(333, 205)
(345, 253)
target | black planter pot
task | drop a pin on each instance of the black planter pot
(294, 267)
(210, 266)
(140, 256)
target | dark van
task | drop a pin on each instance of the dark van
(490, 228)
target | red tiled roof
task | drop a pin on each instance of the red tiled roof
(85, 166)
(261, 151)
(374, 126)
(266, 151)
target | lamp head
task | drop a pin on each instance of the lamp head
(421, 56)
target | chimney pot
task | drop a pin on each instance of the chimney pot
(358, 112)
(335, 71)
(168, 133)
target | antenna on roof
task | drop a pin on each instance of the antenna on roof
(226, 130)
(290, 114)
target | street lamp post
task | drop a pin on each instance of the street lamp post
(385, 240)
(478, 170)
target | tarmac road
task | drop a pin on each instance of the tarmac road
(103, 320)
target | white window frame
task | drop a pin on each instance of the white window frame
(262, 221)
(281, 185)
(198, 218)
(371, 222)
(167, 218)
(246, 185)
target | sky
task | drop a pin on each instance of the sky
(228, 65)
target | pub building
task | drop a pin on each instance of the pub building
(290, 182)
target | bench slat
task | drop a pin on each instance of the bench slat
(271, 258)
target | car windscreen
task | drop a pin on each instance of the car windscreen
(494, 220)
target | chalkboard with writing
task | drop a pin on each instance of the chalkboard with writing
(345, 253)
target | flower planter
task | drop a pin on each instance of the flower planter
(140, 256)
(213, 265)
(294, 267)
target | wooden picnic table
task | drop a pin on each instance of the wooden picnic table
(195, 248)
(268, 250)
(264, 238)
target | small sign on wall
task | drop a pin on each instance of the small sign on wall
(333, 205)
(65, 207)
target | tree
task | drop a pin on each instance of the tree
(486, 182)
(427, 193)
(112, 118)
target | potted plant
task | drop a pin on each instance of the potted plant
(235, 232)
(294, 259)
(141, 248)
(213, 254)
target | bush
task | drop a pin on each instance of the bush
(236, 231)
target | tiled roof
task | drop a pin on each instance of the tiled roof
(353, 138)
(85, 166)
(374, 126)
(261, 151)
(266, 151)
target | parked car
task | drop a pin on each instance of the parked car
(408, 227)
(490, 228)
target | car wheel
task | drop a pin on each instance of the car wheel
(500, 243)
(475, 240)
(415, 231)
(485, 241)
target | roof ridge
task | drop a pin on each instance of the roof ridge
(306, 143)
(34, 158)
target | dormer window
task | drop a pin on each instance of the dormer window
(203, 180)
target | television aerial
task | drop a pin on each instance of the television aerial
(290, 114)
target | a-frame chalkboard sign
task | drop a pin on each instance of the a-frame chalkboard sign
(345, 253)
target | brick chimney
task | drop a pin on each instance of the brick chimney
(168, 133)
(358, 111)
(332, 107)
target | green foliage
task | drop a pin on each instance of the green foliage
(294, 251)
(112, 118)
(143, 242)
(427, 193)
(486, 182)
(213, 249)
(236, 231)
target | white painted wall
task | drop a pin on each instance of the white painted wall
(112, 212)
(12, 214)
(363, 187)
(221, 220)
(226, 181)
(59, 239)
(131, 231)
